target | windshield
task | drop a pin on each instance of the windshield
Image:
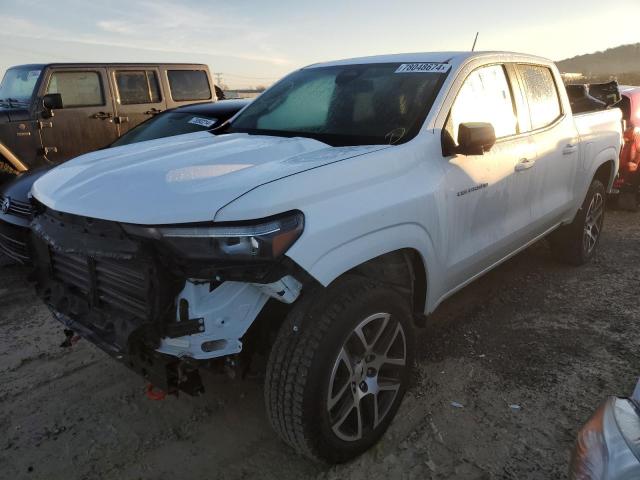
(347, 105)
(166, 125)
(18, 84)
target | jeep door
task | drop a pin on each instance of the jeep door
(138, 95)
(487, 215)
(85, 123)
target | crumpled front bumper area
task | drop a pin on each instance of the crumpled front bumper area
(121, 294)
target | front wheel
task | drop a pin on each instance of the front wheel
(339, 369)
(576, 243)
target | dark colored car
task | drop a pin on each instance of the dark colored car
(15, 209)
(50, 113)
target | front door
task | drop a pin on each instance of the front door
(86, 121)
(487, 215)
(138, 95)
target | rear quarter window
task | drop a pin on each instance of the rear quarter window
(188, 85)
(541, 93)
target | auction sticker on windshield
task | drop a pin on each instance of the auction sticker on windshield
(203, 122)
(423, 68)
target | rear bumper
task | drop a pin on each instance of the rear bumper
(14, 242)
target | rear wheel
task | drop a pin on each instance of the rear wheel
(576, 243)
(339, 369)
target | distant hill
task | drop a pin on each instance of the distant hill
(621, 62)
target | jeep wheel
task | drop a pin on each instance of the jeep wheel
(339, 369)
(576, 243)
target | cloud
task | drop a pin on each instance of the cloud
(160, 26)
(115, 26)
(167, 26)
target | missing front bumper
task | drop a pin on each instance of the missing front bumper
(168, 373)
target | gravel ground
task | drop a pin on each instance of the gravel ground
(550, 339)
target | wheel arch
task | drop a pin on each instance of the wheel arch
(402, 269)
(606, 173)
(390, 255)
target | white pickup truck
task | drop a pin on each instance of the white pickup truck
(336, 212)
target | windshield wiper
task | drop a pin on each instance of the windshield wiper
(11, 101)
(220, 128)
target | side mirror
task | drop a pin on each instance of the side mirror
(52, 101)
(475, 138)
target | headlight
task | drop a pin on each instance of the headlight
(247, 241)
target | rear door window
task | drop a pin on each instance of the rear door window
(78, 89)
(137, 87)
(189, 85)
(485, 96)
(542, 95)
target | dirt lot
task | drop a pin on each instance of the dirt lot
(552, 339)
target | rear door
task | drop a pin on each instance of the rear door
(552, 177)
(86, 122)
(138, 95)
(487, 214)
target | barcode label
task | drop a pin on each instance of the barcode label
(423, 68)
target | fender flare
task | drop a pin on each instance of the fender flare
(13, 160)
(354, 252)
(605, 156)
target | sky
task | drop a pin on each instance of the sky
(253, 43)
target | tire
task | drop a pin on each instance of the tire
(577, 242)
(317, 348)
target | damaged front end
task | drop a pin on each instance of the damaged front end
(163, 300)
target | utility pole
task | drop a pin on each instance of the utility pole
(218, 79)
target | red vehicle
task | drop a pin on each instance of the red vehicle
(627, 183)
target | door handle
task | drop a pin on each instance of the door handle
(102, 115)
(569, 149)
(524, 164)
(153, 111)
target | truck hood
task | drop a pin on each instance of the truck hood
(181, 179)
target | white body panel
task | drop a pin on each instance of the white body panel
(463, 215)
(179, 179)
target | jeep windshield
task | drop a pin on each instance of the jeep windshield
(366, 104)
(17, 86)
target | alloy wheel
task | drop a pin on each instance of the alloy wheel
(593, 223)
(366, 376)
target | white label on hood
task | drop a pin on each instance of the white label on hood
(203, 122)
(423, 68)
